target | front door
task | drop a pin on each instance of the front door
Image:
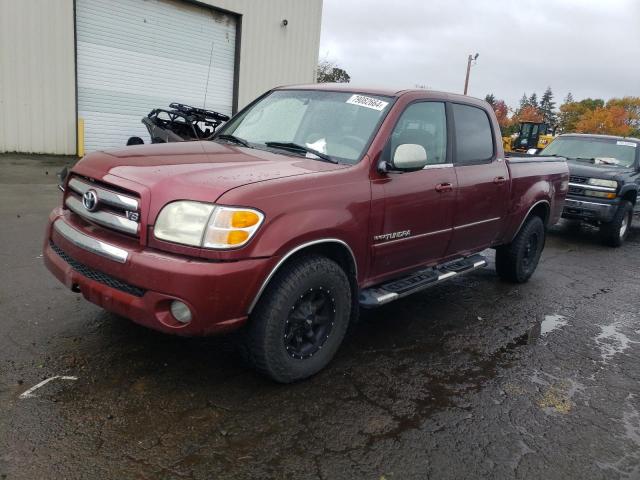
(418, 205)
(483, 181)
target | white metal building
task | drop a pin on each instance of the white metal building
(109, 62)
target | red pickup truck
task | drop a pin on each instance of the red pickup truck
(311, 202)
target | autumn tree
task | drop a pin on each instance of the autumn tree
(631, 105)
(613, 120)
(529, 114)
(330, 72)
(502, 113)
(572, 112)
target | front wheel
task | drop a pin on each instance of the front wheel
(301, 319)
(517, 261)
(615, 232)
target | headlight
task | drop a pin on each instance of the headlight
(206, 225)
(603, 183)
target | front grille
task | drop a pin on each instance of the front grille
(574, 179)
(106, 205)
(576, 190)
(97, 276)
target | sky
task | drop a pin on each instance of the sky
(586, 47)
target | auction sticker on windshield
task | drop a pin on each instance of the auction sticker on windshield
(627, 144)
(367, 102)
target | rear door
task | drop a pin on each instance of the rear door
(418, 205)
(482, 177)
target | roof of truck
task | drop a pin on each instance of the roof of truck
(390, 92)
(595, 135)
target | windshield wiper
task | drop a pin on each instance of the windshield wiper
(295, 147)
(234, 139)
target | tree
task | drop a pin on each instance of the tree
(533, 100)
(611, 120)
(502, 113)
(524, 101)
(547, 107)
(330, 72)
(631, 105)
(490, 99)
(529, 114)
(568, 98)
(571, 113)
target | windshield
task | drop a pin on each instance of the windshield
(336, 124)
(610, 152)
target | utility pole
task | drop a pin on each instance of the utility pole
(471, 58)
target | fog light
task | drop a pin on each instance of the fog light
(180, 312)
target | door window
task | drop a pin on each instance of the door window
(474, 137)
(424, 124)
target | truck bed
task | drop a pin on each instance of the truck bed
(527, 173)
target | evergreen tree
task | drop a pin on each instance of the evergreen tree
(524, 101)
(569, 98)
(490, 99)
(533, 100)
(547, 107)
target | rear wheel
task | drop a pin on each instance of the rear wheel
(301, 320)
(517, 261)
(615, 232)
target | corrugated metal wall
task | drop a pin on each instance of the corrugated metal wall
(37, 63)
(37, 77)
(272, 54)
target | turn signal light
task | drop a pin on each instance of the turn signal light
(244, 219)
(593, 193)
(226, 237)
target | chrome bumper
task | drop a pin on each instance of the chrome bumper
(581, 209)
(90, 244)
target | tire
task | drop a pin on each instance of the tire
(517, 261)
(300, 320)
(615, 232)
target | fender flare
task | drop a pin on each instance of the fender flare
(288, 255)
(629, 188)
(524, 219)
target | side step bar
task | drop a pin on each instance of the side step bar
(399, 288)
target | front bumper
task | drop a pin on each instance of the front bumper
(588, 210)
(139, 283)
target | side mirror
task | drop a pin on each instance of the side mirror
(409, 156)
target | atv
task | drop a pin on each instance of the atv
(180, 123)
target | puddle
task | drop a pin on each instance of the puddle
(611, 340)
(539, 330)
(551, 323)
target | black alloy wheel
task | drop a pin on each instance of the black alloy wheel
(310, 323)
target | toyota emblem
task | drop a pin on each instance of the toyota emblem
(90, 200)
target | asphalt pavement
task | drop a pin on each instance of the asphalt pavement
(475, 378)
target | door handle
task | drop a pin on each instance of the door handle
(499, 180)
(444, 187)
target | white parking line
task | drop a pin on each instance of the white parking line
(29, 393)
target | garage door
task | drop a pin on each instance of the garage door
(137, 55)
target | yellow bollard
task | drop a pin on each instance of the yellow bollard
(80, 146)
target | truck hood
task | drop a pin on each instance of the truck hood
(609, 172)
(193, 170)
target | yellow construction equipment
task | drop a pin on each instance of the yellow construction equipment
(531, 136)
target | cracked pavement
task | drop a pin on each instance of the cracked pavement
(475, 378)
